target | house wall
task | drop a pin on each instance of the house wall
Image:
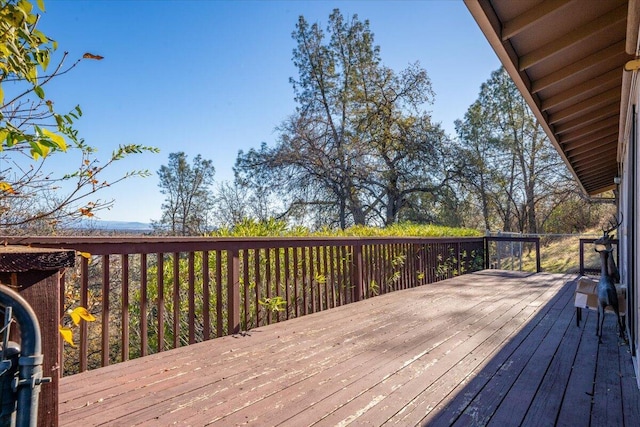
(629, 201)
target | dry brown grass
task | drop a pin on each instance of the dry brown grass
(562, 255)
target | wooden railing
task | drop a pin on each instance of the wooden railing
(589, 260)
(153, 294)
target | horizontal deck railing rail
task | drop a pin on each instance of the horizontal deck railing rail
(151, 294)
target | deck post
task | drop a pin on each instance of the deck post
(35, 274)
(486, 253)
(582, 257)
(233, 291)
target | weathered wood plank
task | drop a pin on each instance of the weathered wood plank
(630, 400)
(464, 354)
(421, 356)
(486, 388)
(483, 406)
(445, 400)
(607, 403)
(232, 356)
(516, 403)
(347, 358)
(545, 407)
(394, 368)
(576, 405)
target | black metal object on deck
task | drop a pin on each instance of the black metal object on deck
(21, 364)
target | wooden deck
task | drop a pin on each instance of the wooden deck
(491, 348)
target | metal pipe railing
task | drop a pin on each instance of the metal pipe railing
(27, 384)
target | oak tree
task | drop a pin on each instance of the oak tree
(360, 142)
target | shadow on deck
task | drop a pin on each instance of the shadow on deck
(490, 348)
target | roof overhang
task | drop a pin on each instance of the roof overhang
(567, 58)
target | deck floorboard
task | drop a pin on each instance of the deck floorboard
(490, 348)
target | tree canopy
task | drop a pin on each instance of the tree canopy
(185, 211)
(508, 165)
(360, 143)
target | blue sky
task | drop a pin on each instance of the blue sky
(212, 77)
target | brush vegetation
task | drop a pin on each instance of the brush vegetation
(276, 228)
(558, 254)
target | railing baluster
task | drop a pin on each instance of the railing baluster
(325, 256)
(357, 272)
(206, 295)
(144, 331)
(313, 282)
(404, 261)
(233, 291)
(287, 282)
(176, 300)
(404, 264)
(331, 278)
(160, 302)
(378, 269)
(246, 292)
(295, 281)
(105, 310)
(84, 302)
(278, 266)
(344, 275)
(192, 298)
(319, 279)
(219, 297)
(267, 279)
(61, 310)
(401, 262)
(365, 271)
(305, 285)
(124, 343)
(256, 275)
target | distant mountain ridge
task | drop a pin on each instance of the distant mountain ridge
(117, 225)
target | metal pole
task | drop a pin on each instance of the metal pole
(30, 360)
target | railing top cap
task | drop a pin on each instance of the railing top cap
(24, 258)
(179, 239)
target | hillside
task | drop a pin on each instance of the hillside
(562, 254)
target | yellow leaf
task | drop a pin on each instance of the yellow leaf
(67, 335)
(6, 187)
(86, 255)
(32, 74)
(57, 139)
(81, 313)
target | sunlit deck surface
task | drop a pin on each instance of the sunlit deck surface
(492, 348)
